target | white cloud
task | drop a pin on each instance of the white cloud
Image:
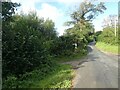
(69, 1)
(61, 29)
(97, 24)
(26, 5)
(49, 11)
(108, 0)
(46, 11)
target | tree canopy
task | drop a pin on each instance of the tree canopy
(81, 20)
(87, 11)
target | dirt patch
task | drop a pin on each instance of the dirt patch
(76, 63)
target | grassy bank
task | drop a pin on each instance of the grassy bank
(107, 48)
(60, 78)
(63, 75)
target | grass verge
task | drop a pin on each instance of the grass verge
(107, 48)
(60, 78)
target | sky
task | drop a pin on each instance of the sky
(59, 11)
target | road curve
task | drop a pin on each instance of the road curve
(99, 70)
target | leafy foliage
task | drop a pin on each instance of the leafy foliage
(108, 36)
(97, 34)
(63, 46)
(8, 9)
(24, 46)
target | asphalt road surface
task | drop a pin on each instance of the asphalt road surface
(98, 70)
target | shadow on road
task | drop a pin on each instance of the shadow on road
(80, 64)
(90, 57)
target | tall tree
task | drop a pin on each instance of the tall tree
(87, 11)
(81, 20)
(82, 17)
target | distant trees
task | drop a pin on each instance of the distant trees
(97, 34)
(107, 36)
(110, 32)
